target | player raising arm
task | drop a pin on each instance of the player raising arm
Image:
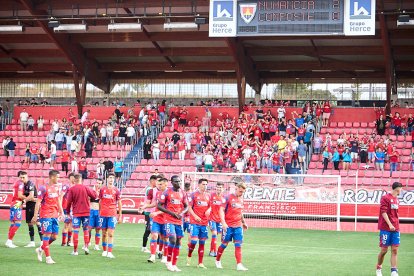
(199, 209)
(389, 226)
(231, 216)
(49, 202)
(173, 202)
(109, 198)
(217, 200)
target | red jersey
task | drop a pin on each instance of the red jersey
(180, 145)
(200, 203)
(394, 156)
(17, 187)
(158, 218)
(79, 196)
(216, 201)
(65, 156)
(326, 108)
(49, 207)
(34, 149)
(173, 201)
(389, 205)
(233, 209)
(108, 199)
(82, 165)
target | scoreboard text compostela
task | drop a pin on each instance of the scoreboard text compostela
(229, 18)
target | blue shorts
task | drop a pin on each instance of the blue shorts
(53, 157)
(78, 221)
(68, 217)
(215, 226)
(107, 222)
(94, 219)
(15, 214)
(235, 234)
(174, 230)
(187, 227)
(389, 238)
(199, 231)
(158, 228)
(49, 225)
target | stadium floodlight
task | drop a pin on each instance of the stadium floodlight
(169, 26)
(11, 28)
(71, 27)
(113, 27)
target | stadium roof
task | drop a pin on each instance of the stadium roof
(101, 55)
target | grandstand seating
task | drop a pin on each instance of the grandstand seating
(367, 176)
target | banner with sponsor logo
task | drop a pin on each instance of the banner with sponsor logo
(298, 200)
(222, 22)
(359, 17)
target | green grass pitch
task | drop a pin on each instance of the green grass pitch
(265, 252)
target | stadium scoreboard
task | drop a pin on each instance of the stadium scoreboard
(303, 17)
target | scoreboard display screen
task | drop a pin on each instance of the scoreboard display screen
(306, 17)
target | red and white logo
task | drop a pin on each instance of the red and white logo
(128, 203)
(3, 198)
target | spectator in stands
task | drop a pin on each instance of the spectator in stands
(130, 133)
(109, 133)
(52, 154)
(412, 160)
(40, 123)
(281, 111)
(27, 154)
(410, 124)
(188, 136)
(102, 135)
(169, 148)
(317, 144)
(59, 139)
(380, 124)
(109, 166)
(326, 158)
(68, 140)
(208, 162)
(85, 116)
(336, 159)
(181, 145)
(65, 161)
(122, 134)
(326, 113)
(144, 132)
(34, 153)
(379, 159)
(30, 123)
(55, 127)
(147, 148)
(23, 119)
(89, 148)
(95, 132)
(363, 155)
(155, 149)
(354, 149)
(100, 170)
(43, 153)
(302, 150)
(83, 170)
(346, 159)
(4, 145)
(198, 156)
(394, 158)
(161, 110)
(74, 145)
(118, 169)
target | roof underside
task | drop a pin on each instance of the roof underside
(154, 53)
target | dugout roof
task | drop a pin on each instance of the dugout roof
(100, 55)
